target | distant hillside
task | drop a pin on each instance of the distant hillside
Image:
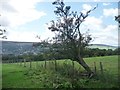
(102, 46)
(10, 47)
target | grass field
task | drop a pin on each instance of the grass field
(66, 76)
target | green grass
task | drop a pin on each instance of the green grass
(18, 76)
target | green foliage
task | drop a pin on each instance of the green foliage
(69, 42)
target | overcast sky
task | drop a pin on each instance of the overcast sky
(25, 19)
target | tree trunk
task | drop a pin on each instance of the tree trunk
(85, 66)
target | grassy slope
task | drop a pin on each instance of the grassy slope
(17, 76)
(103, 47)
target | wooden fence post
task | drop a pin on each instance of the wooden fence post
(20, 62)
(55, 65)
(36, 64)
(24, 63)
(95, 66)
(30, 64)
(49, 64)
(101, 68)
(45, 63)
(42, 65)
(17, 61)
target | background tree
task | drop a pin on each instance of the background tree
(68, 33)
(2, 32)
(117, 18)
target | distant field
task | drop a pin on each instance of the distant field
(103, 47)
(16, 76)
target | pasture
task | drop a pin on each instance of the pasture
(60, 74)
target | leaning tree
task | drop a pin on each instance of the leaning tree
(68, 32)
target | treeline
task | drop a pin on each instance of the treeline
(88, 52)
(59, 55)
(100, 52)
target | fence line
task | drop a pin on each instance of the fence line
(30, 64)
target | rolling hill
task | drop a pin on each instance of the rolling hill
(102, 46)
(10, 47)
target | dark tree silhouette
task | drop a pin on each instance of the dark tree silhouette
(68, 33)
(2, 32)
(117, 18)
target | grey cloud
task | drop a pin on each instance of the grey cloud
(5, 6)
(4, 21)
